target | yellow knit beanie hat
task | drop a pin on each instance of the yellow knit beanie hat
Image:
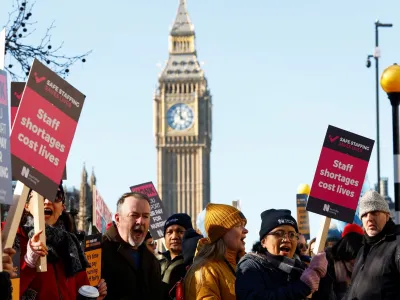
(220, 218)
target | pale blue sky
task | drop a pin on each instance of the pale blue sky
(279, 73)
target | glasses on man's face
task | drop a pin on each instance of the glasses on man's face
(280, 234)
(152, 243)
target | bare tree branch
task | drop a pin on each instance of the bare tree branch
(22, 54)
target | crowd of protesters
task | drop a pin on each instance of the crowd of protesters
(209, 262)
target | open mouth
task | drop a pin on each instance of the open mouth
(138, 231)
(284, 250)
(242, 240)
(48, 212)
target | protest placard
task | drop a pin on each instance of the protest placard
(17, 89)
(93, 255)
(101, 214)
(302, 215)
(6, 196)
(157, 215)
(340, 174)
(43, 129)
(338, 180)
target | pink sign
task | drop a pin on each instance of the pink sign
(101, 214)
(340, 174)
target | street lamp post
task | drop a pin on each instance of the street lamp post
(376, 55)
(390, 82)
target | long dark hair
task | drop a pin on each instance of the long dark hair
(347, 248)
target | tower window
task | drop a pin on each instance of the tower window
(174, 63)
(183, 63)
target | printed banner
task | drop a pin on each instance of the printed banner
(340, 174)
(17, 89)
(43, 130)
(156, 208)
(101, 214)
(6, 191)
(302, 215)
(93, 255)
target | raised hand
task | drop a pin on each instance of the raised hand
(37, 246)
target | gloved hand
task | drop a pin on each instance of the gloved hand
(319, 264)
(311, 278)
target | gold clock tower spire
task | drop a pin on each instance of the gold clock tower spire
(182, 123)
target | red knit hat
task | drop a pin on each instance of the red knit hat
(352, 228)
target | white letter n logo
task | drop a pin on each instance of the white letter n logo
(25, 172)
(326, 207)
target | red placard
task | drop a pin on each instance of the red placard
(157, 215)
(43, 130)
(17, 89)
(340, 174)
(101, 214)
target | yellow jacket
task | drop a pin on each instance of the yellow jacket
(213, 281)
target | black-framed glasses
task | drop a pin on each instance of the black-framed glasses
(280, 234)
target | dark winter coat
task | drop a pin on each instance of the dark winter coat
(258, 279)
(125, 280)
(376, 274)
(5, 286)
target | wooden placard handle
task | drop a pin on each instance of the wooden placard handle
(39, 224)
(14, 215)
(321, 237)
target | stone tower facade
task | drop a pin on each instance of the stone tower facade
(85, 202)
(182, 123)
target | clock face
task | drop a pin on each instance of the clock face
(180, 116)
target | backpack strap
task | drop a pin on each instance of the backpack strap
(169, 269)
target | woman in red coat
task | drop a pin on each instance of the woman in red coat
(66, 262)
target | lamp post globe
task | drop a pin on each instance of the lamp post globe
(390, 79)
(390, 83)
(303, 189)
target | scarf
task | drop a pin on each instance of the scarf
(62, 245)
(287, 265)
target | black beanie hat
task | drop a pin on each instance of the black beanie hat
(182, 219)
(273, 218)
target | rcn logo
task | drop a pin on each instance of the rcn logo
(326, 207)
(25, 172)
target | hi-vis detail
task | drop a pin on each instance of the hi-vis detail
(25, 172)
(326, 207)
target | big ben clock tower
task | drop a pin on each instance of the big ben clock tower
(182, 121)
